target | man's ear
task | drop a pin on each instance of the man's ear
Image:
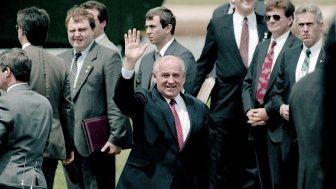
(7, 71)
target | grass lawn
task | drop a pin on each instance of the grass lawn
(120, 162)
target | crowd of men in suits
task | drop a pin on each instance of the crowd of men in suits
(251, 135)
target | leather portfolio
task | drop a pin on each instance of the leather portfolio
(97, 132)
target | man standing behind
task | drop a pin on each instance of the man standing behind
(94, 72)
(229, 46)
(268, 136)
(100, 14)
(25, 123)
(49, 78)
(302, 59)
(297, 62)
(160, 29)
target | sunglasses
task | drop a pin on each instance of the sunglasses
(17, 27)
(275, 17)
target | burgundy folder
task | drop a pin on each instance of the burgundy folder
(97, 132)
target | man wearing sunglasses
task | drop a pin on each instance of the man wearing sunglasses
(309, 22)
(270, 141)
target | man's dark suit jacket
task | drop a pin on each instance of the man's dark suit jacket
(92, 96)
(274, 130)
(250, 85)
(312, 111)
(286, 76)
(155, 160)
(307, 115)
(176, 49)
(49, 77)
(221, 50)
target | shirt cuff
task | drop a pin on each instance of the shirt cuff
(127, 74)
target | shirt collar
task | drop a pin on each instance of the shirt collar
(25, 45)
(178, 99)
(165, 47)
(16, 84)
(282, 39)
(316, 47)
(98, 39)
(85, 51)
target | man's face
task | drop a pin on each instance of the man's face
(245, 7)
(309, 29)
(80, 34)
(169, 77)
(154, 31)
(99, 29)
(277, 22)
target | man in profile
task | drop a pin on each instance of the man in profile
(25, 124)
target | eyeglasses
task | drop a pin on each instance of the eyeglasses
(275, 17)
(17, 27)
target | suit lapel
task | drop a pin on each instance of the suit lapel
(171, 49)
(293, 62)
(290, 41)
(192, 113)
(86, 68)
(148, 64)
(168, 115)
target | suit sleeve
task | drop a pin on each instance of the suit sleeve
(207, 59)
(67, 113)
(190, 65)
(251, 75)
(280, 86)
(112, 71)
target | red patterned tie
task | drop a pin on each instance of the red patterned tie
(244, 42)
(265, 74)
(177, 123)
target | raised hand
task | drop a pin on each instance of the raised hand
(133, 50)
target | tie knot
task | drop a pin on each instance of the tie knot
(172, 102)
(245, 20)
(77, 55)
(157, 55)
(273, 44)
(308, 52)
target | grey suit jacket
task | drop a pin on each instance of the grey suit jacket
(107, 43)
(155, 160)
(250, 85)
(49, 78)
(25, 124)
(93, 94)
(176, 49)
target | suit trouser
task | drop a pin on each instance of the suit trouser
(231, 141)
(283, 163)
(49, 167)
(94, 172)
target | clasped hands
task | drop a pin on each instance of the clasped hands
(257, 117)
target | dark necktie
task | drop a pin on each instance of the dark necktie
(244, 42)
(178, 125)
(305, 65)
(265, 74)
(73, 72)
(156, 56)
